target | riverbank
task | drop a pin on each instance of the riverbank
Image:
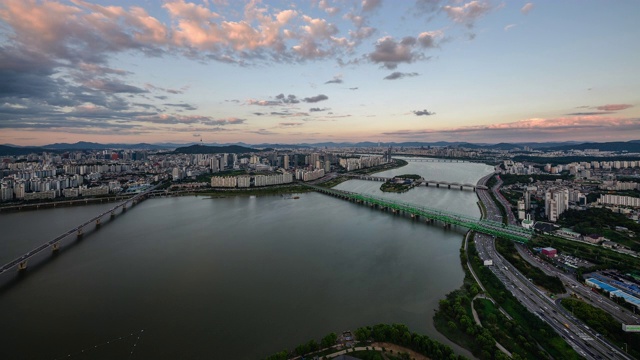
(292, 188)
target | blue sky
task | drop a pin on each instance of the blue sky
(311, 71)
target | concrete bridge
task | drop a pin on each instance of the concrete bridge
(423, 182)
(50, 204)
(53, 245)
(511, 232)
(441, 160)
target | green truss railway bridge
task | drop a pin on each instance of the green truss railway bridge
(511, 232)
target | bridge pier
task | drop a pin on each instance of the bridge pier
(437, 185)
(460, 187)
(22, 266)
(98, 222)
(113, 214)
(55, 247)
(79, 233)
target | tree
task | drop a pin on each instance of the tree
(328, 340)
(363, 333)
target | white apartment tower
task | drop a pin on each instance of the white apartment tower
(556, 202)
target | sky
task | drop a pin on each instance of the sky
(290, 72)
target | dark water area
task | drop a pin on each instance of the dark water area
(231, 278)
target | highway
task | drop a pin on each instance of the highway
(584, 340)
(596, 299)
(581, 338)
(507, 206)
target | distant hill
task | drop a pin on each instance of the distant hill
(83, 145)
(630, 146)
(240, 147)
(278, 146)
(14, 151)
(204, 149)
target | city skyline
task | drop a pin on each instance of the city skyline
(316, 71)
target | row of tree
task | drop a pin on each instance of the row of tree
(307, 348)
(399, 334)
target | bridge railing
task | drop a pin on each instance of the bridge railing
(487, 226)
(49, 243)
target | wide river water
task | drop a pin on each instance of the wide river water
(231, 278)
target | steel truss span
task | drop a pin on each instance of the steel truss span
(511, 232)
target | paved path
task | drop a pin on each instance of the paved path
(378, 346)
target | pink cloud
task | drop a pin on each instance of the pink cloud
(574, 127)
(527, 8)
(369, 5)
(468, 12)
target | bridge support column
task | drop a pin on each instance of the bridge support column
(55, 247)
(437, 185)
(460, 187)
(80, 233)
(113, 214)
(98, 222)
(22, 266)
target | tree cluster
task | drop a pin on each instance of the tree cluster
(399, 334)
(307, 348)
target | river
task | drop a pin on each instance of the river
(230, 278)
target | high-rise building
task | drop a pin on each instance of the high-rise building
(313, 159)
(556, 202)
(18, 190)
(521, 209)
(214, 164)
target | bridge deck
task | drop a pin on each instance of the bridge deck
(421, 181)
(511, 232)
(50, 243)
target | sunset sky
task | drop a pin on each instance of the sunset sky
(319, 70)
